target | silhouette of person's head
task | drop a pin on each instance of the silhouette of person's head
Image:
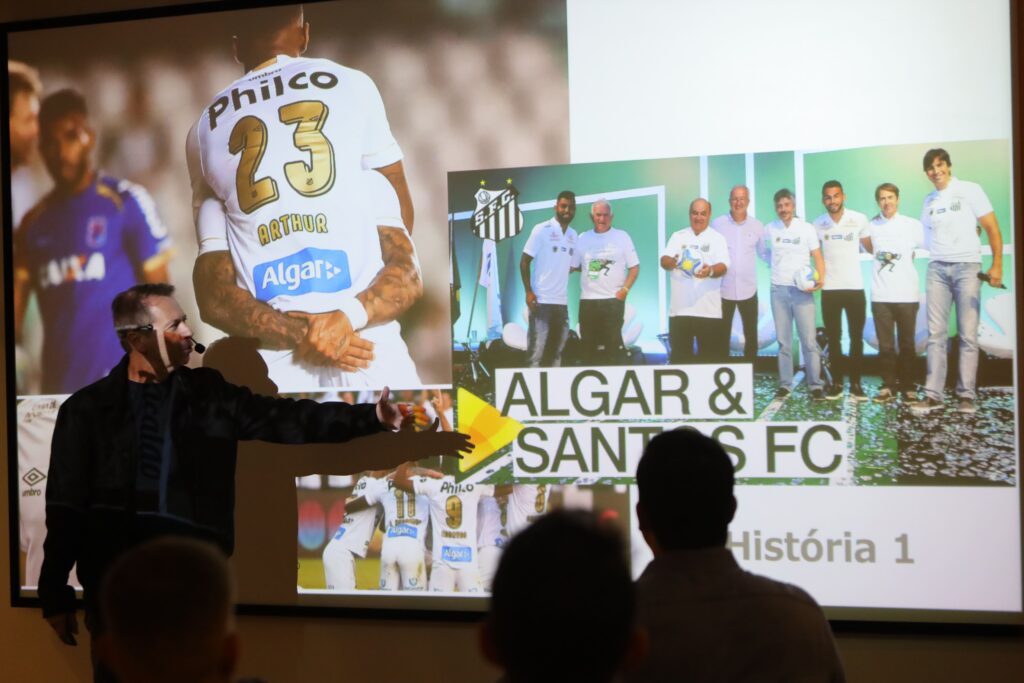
(562, 603)
(239, 360)
(685, 482)
(168, 609)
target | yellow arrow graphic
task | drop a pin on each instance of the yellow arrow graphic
(487, 428)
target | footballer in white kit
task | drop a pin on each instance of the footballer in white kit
(281, 171)
(352, 539)
(491, 537)
(526, 504)
(402, 560)
(453, 520)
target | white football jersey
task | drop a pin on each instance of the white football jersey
(37, 416)
(357, 528)
(453, 518)
(491, 523)
(526, 503)
(286, 149)
(405, 514)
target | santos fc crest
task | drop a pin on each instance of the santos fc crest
(497, 215)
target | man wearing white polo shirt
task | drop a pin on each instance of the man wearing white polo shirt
(839, 231)
(744, 236)
(951, 216)
(893, 239)
(695, 307)
(609, 264)
(793, 243)
(550, 247)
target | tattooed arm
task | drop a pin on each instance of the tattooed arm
(395, 173)
(398, 284)
(331, 338)
(225, 305)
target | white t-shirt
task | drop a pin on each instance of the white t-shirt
(453, 518)
(950, 218)
(526, 503)
(840, 247)
(694, 296)
(552, 252)
(791, 248)
(405, 514)
(357, 528)
(604, 259)
(893, 275)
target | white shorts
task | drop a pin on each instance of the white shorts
(445, 579)
(402, 566)
(488, 559)
(339, 567)
(392, 366)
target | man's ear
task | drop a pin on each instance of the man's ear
(305, 38)
(732, 508)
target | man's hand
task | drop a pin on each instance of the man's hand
(995, 275)
(391, 415)
(531, 300)
(332, 341)
(65, 626)
(621, 294)
(419, 444)
(703, 272)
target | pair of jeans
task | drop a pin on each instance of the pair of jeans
(790, 305)
(948, 283)
(896, 320)
(548, 330)
(748, 319)
(834, 302)
(601, 331)
(684, 330)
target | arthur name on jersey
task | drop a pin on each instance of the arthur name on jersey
(268, 88)
(291, 224)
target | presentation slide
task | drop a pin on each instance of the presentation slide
(571, 226)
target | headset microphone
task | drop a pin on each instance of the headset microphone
(199, 348)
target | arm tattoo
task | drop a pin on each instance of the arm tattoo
(398, 284)
(225, 305)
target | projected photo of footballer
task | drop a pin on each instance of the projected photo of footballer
(303, 215)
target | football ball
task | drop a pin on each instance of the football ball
(690, 261)
(805, 278)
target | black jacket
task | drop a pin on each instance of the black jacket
(90, 493)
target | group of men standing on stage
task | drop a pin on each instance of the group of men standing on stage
(713, 274)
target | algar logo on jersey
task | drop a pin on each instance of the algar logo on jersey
(74, 268)
(304, 272)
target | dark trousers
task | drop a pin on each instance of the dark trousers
(685, 330)
(892, 321)
(748, 318)
(601, 331)
(834, 303)
(549, 328)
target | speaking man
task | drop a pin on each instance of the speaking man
(149, 451)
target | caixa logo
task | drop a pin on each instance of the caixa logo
(306, 271)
